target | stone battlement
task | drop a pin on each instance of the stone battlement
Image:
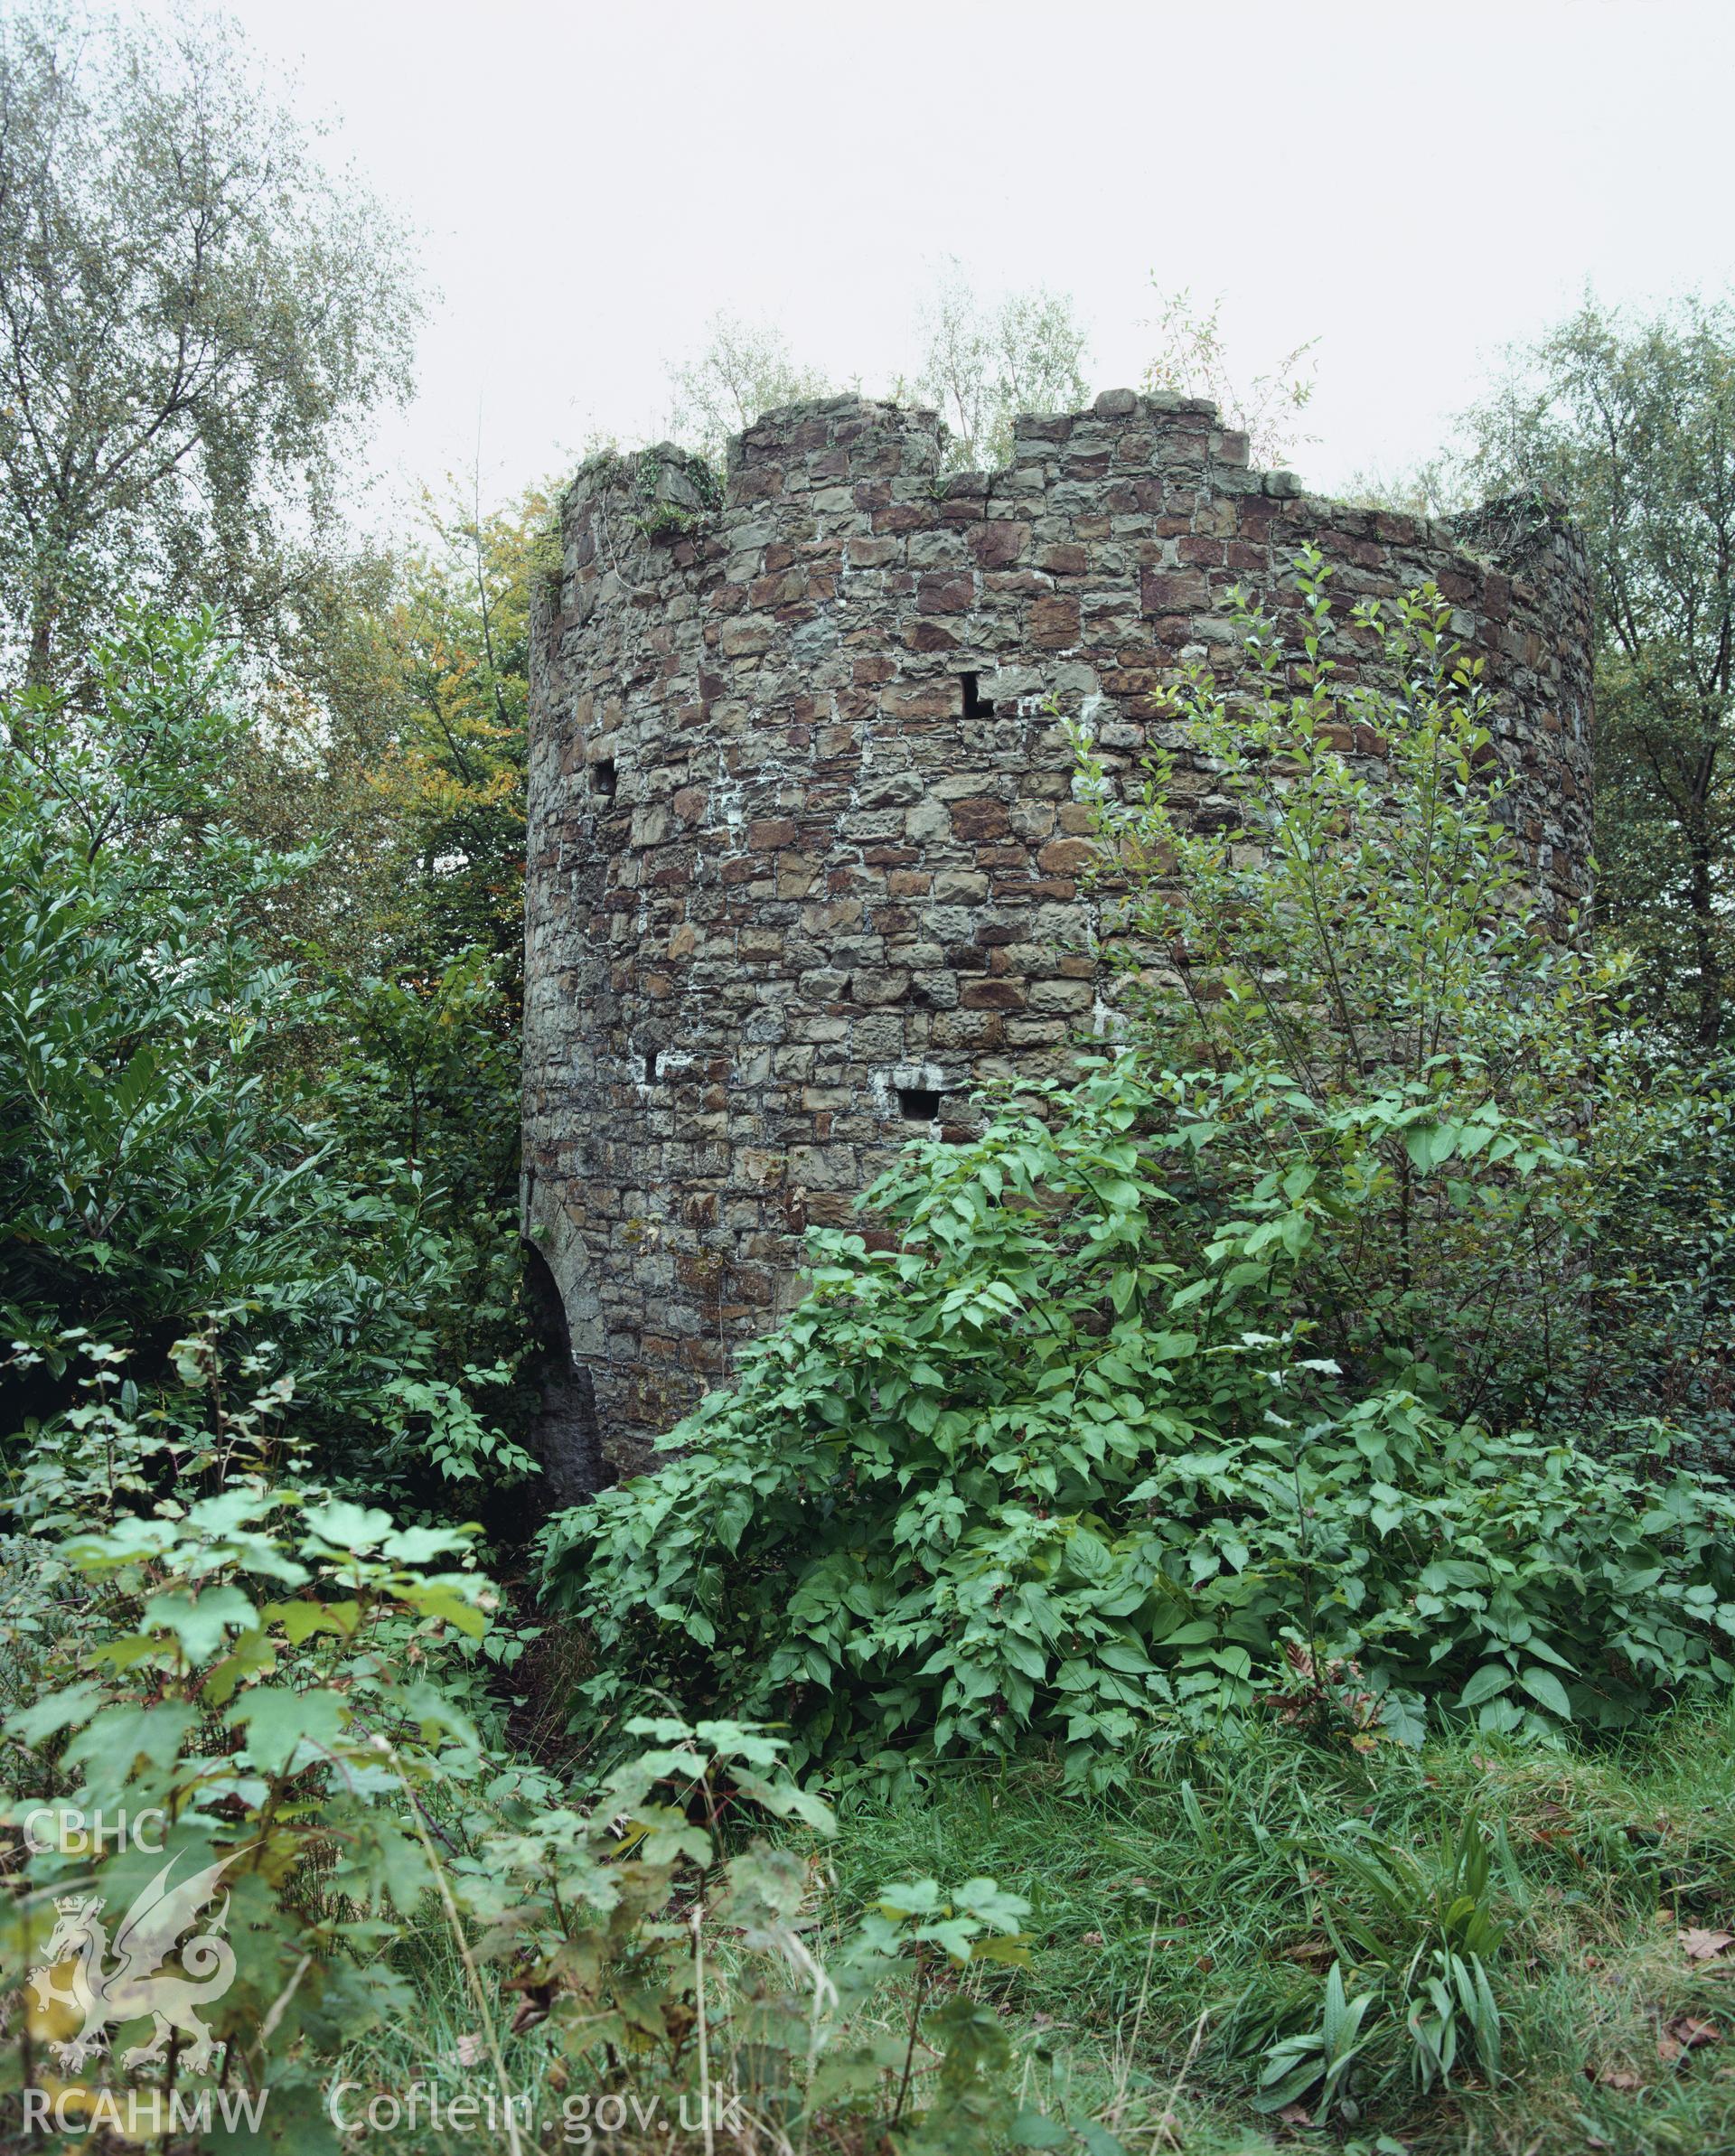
(805, 860)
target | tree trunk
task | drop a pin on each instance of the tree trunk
(1705, 941)
(39, 665)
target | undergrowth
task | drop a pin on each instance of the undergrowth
(1182, 1927)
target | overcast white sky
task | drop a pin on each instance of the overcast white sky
(1413, 184)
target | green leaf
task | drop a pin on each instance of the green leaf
(1098, 2140)
(281, 1724)
(1491, 1678)
(1036, 2130)
(422, 1545)
(438, 1598)
(353, 1529)
(1545, 1687)
(301, 1618)
(68, 1709)
(1089, 1555)
(1429, 1144)
(200, 1622)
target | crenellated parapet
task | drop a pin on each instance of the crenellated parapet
(805, 859)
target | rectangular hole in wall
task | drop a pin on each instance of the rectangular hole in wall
(918, 1104)
(601, 775)
(976, 706)
(650, 1067)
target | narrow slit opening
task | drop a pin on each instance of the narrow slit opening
(976, 706)
(650, 1067)
(918, 1104)
(601, 775)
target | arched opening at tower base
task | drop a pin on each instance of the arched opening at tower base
(565, 1436)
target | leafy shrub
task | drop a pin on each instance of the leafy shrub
(422, 1100)
(297, 1688)
(193, 1138)
(1657, 1231)
(611, 1911)
(269, 1672)
(918, 1925)
(1059, 1466)
(1354, 919)
(600, 1904)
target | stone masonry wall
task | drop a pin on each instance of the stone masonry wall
(804, 855)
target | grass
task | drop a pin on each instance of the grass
(1201, 1900)
(1183, 1924)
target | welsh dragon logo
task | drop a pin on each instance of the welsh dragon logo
(136, 1984)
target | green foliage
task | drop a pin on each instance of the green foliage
(452, 780)
(1357, 928)
(194, 317)
(176, 1162)
(1060, 1466)
(260, 1669)
(1631, 420)
(601, 1909)
(914, 1924)
(1658, 1233)
(1186, 1923)
(424, 1094)
(427, 996)
(439, 1421)
(287, 1684)
(1192, 360)
(661, 518)
(611, 1914)
(984, 362)
(141, 1128)
(744, 368)
(1289, 1430)
(1413, 1973)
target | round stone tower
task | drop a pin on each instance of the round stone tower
(804, 857)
